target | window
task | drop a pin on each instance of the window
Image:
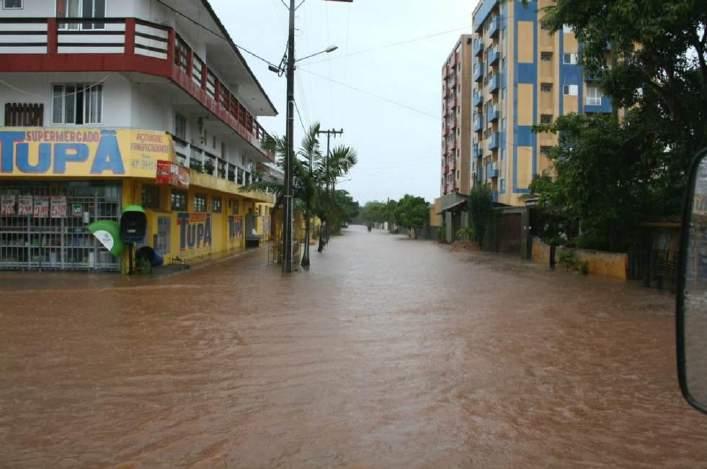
(545, 151)
(546, 118)
(233, 206)
(593, 96)
(216, 205)
(12, 5)
(566, 28)
(179, 200)
(81, 9)
(569, 59)
(77, 103)
(546, 56)
(546, 87)
(571, 90)
(151, 197)
(24, 115)
(200, 203)
(180, 127)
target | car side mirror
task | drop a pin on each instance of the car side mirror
(691, 312)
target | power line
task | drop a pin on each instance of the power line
(382, 98)
(393, 44)
(304, 129)
(215, 33)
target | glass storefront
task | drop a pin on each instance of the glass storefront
(44, 225)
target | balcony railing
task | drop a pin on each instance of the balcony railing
(476, 99)
(593, 101)
(478, 72)
(476, 151)
(122, 45)
(493, 114)
(493, 141)
(477, 47)
(493, 84)
(491, 171)
(494, 24)
(202, 161)
(477, 123)
(492, 55)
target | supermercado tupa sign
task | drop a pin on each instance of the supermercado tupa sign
(83, 152)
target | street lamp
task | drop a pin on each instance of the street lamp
(289, 205)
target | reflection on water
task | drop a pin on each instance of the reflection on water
(389, 353)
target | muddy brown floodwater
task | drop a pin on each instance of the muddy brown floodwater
(390, 353)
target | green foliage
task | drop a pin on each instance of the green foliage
(465, 234)
(607, 179)
(649, 56)
(569, 260)
(412, 212)
(480, 211)
(376, 212)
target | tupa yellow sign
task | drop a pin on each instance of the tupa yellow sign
(100, 153)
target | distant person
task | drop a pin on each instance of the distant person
(370, 227)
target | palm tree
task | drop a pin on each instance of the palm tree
(340, 161)
(313, 176)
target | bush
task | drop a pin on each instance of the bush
(465, 234)
(570, 261)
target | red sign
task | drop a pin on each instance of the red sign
(172, 174)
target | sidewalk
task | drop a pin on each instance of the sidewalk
(48, 280)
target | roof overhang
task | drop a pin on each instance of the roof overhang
(222, 52)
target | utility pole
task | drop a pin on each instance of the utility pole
(288, 206)
(288, 215)
(328, 134)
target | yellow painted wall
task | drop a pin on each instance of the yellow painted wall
(224, 241)
(525, 104)
(571, 44)
(525, 167)
(526, 33)
(571, 104)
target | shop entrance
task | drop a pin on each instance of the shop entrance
(44, 225)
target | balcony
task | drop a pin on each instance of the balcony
(477, 47)
(494, 26)
(478, 71)
(124, 45)
(491, 171)
(476, 99)
(493, 141)
(476, 151)
(492, 55)
(477, 123)
(492, 84)
(493, 114)
(212, 172)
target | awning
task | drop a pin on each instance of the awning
(451, 202)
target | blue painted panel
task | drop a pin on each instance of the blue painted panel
(526, 11)
(524, 136)
(527, 73)
(483, 13)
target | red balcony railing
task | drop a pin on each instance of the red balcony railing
(123, 45)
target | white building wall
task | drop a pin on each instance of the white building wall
(37, 88)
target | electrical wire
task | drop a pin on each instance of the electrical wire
(382, 98)
(215, 33)
(304, 128)
(392, 44)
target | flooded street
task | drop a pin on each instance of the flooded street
(388, 353)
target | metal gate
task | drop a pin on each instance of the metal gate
(43, 241)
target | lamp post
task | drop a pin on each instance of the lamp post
(288, 215)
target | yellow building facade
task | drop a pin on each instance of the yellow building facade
(55, 182)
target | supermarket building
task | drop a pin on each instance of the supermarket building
(109, 103)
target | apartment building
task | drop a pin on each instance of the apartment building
(456, 119)
(522, 75)
(109, 103)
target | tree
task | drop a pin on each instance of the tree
(412, 213)
(649, 56)
(313, 175)
(480, 211)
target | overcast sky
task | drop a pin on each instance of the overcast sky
(386, 96)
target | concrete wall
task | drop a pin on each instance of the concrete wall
(604, 264)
